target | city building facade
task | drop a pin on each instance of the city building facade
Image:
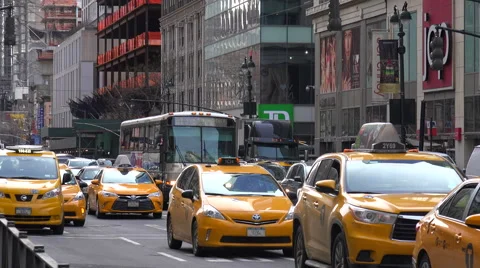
(346, 97)
(181, 26)
(278, 36)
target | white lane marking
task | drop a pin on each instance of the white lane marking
(288, 259)
(155, 226)
(65, 232)
(218, 260)
(242, 259)
(171, 256)
(129, 241)
(263, 260)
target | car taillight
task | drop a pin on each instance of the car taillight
(417, 227)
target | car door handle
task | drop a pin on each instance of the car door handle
(315, 204)
(458, 238)
(183, 204)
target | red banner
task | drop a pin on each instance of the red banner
(433, 15)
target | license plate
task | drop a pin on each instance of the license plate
(133, 204)
(256, 232)
(23, 211)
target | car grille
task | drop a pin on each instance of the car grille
(143, 204)
(404, 227)
(129, 197)
(70, 214)
(18, 197)
(255, 240)
(27, 218)
(255, 222)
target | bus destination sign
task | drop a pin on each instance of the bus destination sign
(200, 121)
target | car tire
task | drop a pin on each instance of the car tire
(98, 213)
(172, 242)
(157, 215)
(198, 250)
(339, 257)
(89, 209)
(424, 262)
(299, 252)
(58, 230)
(79, 223)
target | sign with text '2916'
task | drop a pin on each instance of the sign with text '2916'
(434, 15)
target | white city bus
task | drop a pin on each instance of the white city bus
(165, 144)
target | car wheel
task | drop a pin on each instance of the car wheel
(89, 209)
(157, 215)
(58, 230)
(196, 248)
(79, 223)
(97, 212)
(424, 262)
(339, 252)
(300, 254)
(172, 242)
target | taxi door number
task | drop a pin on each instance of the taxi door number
(256, 232)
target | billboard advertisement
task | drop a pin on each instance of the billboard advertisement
(351, 59)
(328, 64)
(377, 96)
(389, 68)
(276, 111)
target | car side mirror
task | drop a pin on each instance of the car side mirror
(83, 184)
(241, 151)
(66, 178)
(188, 194)
(297, 179)
(95, 182)
(77, 177)
(326, 186)
(292, 195)
(473, 221)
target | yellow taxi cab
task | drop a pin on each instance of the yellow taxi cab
(74, 200)
(30, 187)
(448, 236)
(228, 205)
(124, 189)
(360, 207)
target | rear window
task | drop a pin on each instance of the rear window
(400, 176)
(473, 166)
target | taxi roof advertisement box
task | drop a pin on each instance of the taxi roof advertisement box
(433, 15)
(276, 111)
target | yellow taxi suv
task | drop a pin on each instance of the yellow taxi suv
(30, 188)
(229, 205)
(448, 236)
(124, 189)
(74, 200)
(360, 207)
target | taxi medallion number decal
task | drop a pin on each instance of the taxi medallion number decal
(23, 211)
(256, 232)
(133, 204)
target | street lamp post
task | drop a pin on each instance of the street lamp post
(400, 19)
(250, 107)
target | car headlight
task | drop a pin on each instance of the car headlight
(372, 216)
(53, 193)
(108, 194)
(212, 212)
(79, 196)
(289, 214)
(2, 195)
(155, 194)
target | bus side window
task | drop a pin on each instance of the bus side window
(141, 138)
(127, 134)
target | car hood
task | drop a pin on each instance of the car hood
(129, 189)
(396, 203)
(27, 186)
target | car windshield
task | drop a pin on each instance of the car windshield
(127, 177)
(89, 174)
(64, 171)
(275, 151)
(400, 176)
(79, 163)
(28, 167)
(216, 183)
(278, 172)
(62, 160)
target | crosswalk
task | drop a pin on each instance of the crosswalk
(186, 257)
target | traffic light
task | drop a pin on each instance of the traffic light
(8, 105)
(436, 54)
(334, 20)
(9, 39)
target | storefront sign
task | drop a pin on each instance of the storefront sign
(276, 111)
(433, 16)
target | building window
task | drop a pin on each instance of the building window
(181, 68)
(472, 24)
(190, 31)
(443, 113)
(199, 96)
(190, 65)
(182, 100)
(199, 63)
(472, 114)
(181, 36)
(410, 41)
(199, 26)
(377, 113)
(327, 125)
(350, 121)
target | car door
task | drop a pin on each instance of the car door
(447, 227)
(93, 190)
(287, 181)
(469, 237)
(314, 218)
(191, 206)
(175, 207)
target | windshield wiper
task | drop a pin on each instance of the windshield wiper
(27, 178)
(358, 192)
(181, 156)
(215, 194)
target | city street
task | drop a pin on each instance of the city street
(141, 242)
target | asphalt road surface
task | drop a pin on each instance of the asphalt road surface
(140, 242)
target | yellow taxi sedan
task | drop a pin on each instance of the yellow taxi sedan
(448, 236)
(124, 190)
(229, 205)
(74, 200)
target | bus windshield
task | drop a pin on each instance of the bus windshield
(275, 151)
(200, 144)
(28, 167)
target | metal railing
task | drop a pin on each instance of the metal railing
(17, 251)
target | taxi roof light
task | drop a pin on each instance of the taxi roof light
(25, 149)
(122, 161)
(228, 161)
(378, 137)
